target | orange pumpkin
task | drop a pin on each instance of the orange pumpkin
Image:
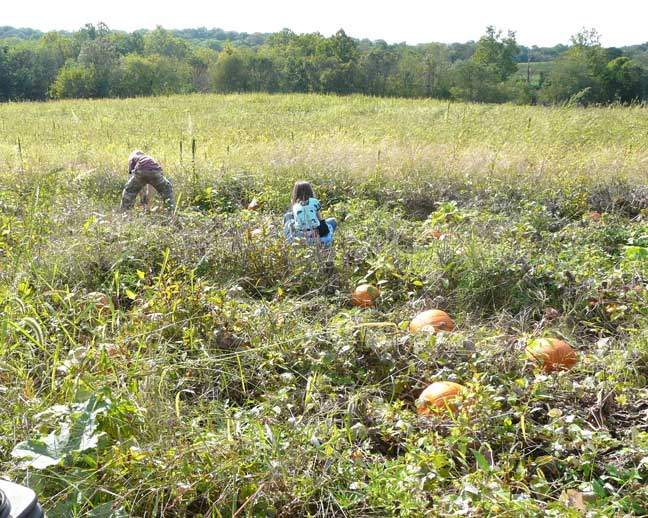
(431, 320)
(431, 233)
(101, 301)
(552, 354)
(365, 295)
(439, 396)
(594, 216)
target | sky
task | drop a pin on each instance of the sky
(542, 23)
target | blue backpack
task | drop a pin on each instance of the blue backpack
(305, 216)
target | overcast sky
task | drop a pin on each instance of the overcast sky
(543, 23)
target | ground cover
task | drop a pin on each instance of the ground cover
(231, 375)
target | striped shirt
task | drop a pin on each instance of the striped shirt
(140, 161)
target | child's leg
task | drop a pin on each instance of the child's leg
(332, 224)
(164, 188)
(133, 186)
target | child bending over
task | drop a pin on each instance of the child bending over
(144, 170)
(305, 220)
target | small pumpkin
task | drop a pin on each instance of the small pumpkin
(439, 396)
(431, 320)
(100, 300)
(365, 295)
(594, 216)
(552, 354)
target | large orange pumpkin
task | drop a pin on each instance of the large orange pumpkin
(552, 354)
(438, 396)
(432, 319)
(365, 295)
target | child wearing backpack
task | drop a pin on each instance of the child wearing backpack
(305, 220)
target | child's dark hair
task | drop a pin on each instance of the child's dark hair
(302, 192)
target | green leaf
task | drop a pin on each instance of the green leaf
(481, 461)
(598, 488)
(636, 253)
(76, 436)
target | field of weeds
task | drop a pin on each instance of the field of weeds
(226, 373)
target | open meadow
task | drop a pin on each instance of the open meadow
(228, 374)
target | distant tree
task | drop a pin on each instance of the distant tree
(567, 78)
(100, 55)
(74, 81)
(54, 50)
(461, 51)
(624, 80)
(436, 66)
(5, 85)
(336, 61)
(137, 76)
(263, 72)
(473, 81)
(126, 43)
(342, 47)
(172, 76)
(162, 42)
(28, 73)
(578, 74)
(230, 73)
(200, 60)
(408, 79)
(280, 39)
(376, 66)
(497, 53)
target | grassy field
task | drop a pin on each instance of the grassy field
(230, 375)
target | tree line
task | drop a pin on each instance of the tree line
(96, 62)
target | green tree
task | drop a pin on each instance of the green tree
(624, 80)
(5, 85)
(100, 55)
(375, 68)
(497, 53)
(162, 42)
(263, 73)
(230, 73)
(74, 81)
(200, 60)
(408, 79)
(28, 71)
(475, 82)
(137, 76)
(436, 66)
(579, 74)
